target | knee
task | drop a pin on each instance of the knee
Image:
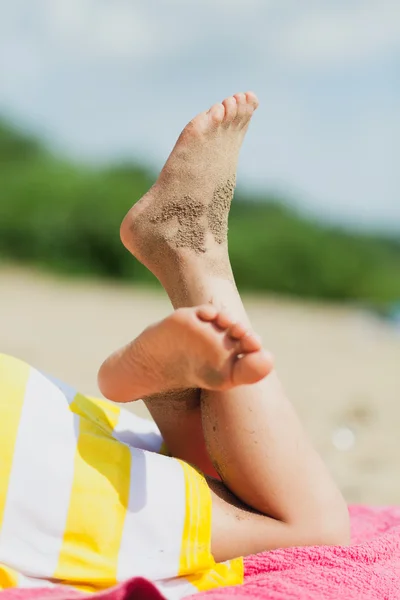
(332, 528)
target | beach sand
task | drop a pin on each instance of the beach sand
(340, 366)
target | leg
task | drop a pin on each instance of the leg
(179, 411)
(207, 344)
(179, 419)
(260, 450)
(258, 446)
(179, 355)
(252, 433)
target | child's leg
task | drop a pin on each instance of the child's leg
(287, 497)
(200, 347)
(257, 443)
(178, 416)
(254, 438)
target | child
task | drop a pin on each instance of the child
(86, 499)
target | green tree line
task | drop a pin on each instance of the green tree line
(66, 216)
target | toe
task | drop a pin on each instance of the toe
(252, 100)
(231, 109)
(237, 331)
(206, 313)
(250, 343)
(223, 320)
(248, 107)
(242, 110)
(217, 114)
(252, 368)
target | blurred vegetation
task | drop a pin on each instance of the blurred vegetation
(67, 216)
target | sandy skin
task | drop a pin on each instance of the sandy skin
(184, 216)
(193, 347)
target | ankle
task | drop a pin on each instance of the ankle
(197, 282)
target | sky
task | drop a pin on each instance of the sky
(102, 80)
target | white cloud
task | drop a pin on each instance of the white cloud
(115, 29)
(313, 33)
(328, 35)
(99, 29)
(82, 70)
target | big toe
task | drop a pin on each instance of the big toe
(249, 105)
(252, 100)
(251, 368)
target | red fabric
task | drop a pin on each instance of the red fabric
(367, 570)
(135, 589)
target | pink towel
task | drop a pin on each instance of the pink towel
(367, 570)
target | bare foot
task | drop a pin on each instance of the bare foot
(185, 214)
(192, 348)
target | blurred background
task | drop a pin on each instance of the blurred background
(93, 94)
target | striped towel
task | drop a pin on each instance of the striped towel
(87, 500)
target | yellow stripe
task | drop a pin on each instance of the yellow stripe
(196, 538)
(8, 577)
(100, 412)
(184, 562)
(221, 575)
(197, 564)
(99, 500)
(14, 376)
(204, 521)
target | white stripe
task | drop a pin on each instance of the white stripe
(137, 432)
(176, 589)
(32, 582)
(68, 391)
(41, 481)
(152, 537)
